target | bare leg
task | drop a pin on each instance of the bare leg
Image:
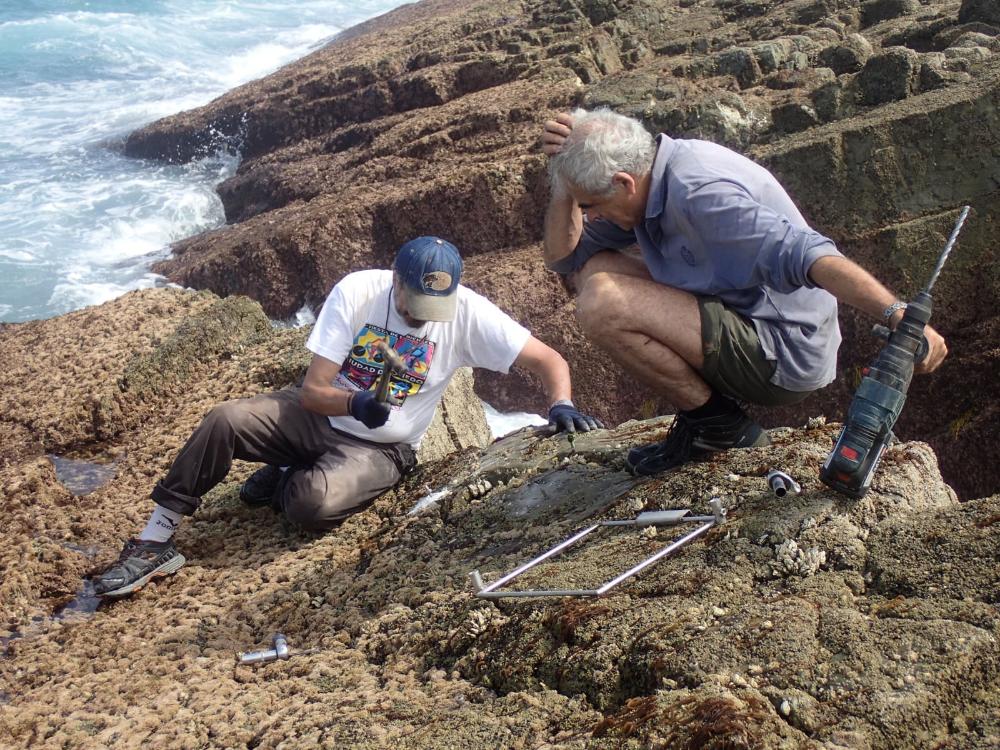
(612, 261)
(652, 330)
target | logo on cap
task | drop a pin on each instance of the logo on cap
(437, 281)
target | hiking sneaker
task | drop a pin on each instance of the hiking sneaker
(693, 439)
(676, 449)
(260, 488)
(732, 430)
(139, 562)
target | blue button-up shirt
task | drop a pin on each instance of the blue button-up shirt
(719, 224)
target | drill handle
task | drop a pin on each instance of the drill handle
(884, 333)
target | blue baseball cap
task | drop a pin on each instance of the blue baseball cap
(430, 268)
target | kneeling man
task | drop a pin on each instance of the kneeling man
(331, 447)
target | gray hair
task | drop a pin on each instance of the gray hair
(600, 144)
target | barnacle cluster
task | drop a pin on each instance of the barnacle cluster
(790, 559)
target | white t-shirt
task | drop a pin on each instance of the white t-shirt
(359, 312)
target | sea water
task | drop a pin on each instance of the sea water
(79, 223)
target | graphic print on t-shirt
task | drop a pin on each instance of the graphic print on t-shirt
(364, 363)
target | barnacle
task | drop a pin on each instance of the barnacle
(790, 559)
(482, 621)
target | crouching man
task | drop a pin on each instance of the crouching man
(331, 447)
(731, 297)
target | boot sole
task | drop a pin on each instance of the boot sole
(255, 501)
(637, 470)
(168, 568)
(761, 440)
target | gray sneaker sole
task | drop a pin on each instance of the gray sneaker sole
(170, 567)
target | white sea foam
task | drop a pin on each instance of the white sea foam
(265, 57)
(76, 292)
(82, 223)
(505, 423)
(18, 256)
(304, 316)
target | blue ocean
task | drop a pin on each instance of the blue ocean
(79, 223)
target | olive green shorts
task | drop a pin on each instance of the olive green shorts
(734, 359)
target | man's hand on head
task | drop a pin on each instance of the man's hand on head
(554, 133)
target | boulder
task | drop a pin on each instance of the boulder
(458, 423)
(772, 55)
(848, 57)
(794, 116)
(983, 11)
(876, 11)
(828, 100)
(889, 76)
(741, 63)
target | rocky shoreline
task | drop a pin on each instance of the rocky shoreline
(802, 622)
(807, 621)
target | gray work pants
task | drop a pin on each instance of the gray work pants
(333, 474)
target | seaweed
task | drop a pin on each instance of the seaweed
(695, 723)
(564, 622)
(716, 723)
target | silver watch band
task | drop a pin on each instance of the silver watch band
(891, 310)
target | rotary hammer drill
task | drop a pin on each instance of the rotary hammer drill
(880, 397)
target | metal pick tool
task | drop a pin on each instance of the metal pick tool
(650, 518)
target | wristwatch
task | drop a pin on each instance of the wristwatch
(891, 310)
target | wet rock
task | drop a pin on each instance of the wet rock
(848, 57)
(875, 11)
(794, 116)
(984, 11)
(828, 101)
(889, 76)
(741, 63)
(772, 55)
(937, 72)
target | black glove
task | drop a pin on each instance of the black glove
(367, 410)
(565, 418)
